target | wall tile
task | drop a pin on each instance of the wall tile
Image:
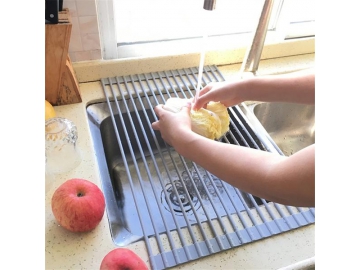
(96, 54)
(88, 25)
(72, 56)
(71, 5)
(86, 7)
(85, 41)
(83, 56)
(90, 42)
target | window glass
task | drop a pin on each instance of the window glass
(145, 21)
(146, 27)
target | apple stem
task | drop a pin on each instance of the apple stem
(80, 194)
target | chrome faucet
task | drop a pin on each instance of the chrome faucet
(209, 4)
(252, 57)
(253, 54)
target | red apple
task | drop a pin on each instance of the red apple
(122, 259)
(78, 205)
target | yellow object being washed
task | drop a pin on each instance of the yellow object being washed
(49, 110)
(212, 122)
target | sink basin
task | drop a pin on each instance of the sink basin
(290, 126)
(134, 160)
(181, 211)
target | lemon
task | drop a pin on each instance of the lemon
(49, 110)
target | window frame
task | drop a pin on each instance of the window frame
(276, 35)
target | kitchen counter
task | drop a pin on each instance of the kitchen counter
(66, 250)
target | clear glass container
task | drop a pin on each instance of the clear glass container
(61, 151)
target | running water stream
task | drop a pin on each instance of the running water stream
(201, 67)
(206, 19)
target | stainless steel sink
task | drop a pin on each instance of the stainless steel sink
(181, 211)
(290, 126)
(146, 182)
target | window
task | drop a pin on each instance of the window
(136, 28)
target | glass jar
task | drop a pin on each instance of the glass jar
(61, 151)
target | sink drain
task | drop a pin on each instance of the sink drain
(179, 197)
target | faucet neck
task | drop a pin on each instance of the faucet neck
(209, 4)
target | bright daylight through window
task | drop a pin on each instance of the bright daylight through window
(159, 27)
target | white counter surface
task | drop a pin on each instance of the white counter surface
(66, 250)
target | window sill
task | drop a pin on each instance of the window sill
(299, 50)
(228, 43)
